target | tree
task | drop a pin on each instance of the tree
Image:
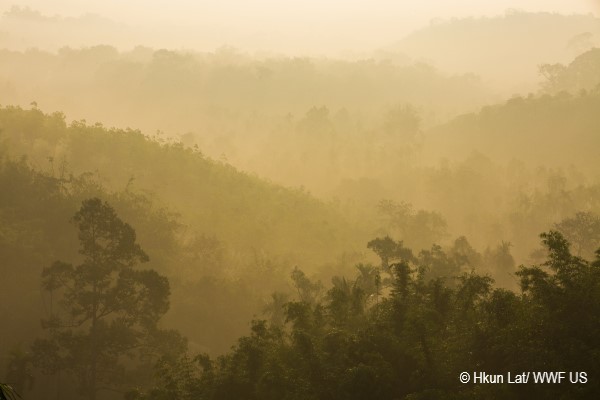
(438, 264)
(501, 264)
(275, 309)
(389, 250)
(416, 341)
(563, 299)
(418, 229)
(552, 73)
(109, 309)
(582, 231)
(308, 291)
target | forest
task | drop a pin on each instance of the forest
(184, 223)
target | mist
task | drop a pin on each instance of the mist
(298, 200)
(350, 28)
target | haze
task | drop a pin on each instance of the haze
(283, 200)
(307, 27)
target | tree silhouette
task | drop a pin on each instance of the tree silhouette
(389, 250)
(109, 309)
(583, 232)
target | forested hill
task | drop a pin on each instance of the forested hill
(225, 239)
(225, 93)
(552, 130)
(249, 215)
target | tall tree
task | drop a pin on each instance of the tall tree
(109, 310)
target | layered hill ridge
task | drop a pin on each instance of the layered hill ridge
(224, 238)
(560, 130)
(249, 214)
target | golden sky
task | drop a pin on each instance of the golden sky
(308, 26)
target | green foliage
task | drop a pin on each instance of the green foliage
(414, 342)
(563, 324)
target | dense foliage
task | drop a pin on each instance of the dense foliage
(413, 341)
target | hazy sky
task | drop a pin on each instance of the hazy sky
(305, 25)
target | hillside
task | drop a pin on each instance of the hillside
(224, 238)
(552, 130)
(245, 212)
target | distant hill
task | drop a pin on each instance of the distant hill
(26, 28)
(551, 130)
(221, 91)
(583, 73)
(504, 50)
(252, 112)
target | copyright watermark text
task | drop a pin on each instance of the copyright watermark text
(523, 377)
